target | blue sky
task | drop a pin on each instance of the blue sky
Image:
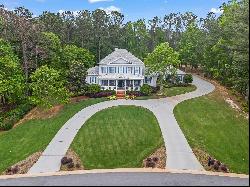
(132, 9)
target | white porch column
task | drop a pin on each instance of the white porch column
(125, 86)
(116, 85)
(133, 85)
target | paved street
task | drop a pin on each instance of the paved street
(128, 179)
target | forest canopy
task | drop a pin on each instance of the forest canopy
(218, 45)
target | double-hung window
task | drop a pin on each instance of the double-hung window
(112, 70)
(104, 70)
(136, 71)
(120, 69)
(130, 69)
(93, 80)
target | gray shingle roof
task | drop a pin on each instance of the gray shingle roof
(93, 71)
(121, 53)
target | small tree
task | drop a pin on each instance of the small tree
(188, 79)
(11, 76)
(48, 88)
(77, 77)
(163, 61)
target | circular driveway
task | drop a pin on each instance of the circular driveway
(179, 154)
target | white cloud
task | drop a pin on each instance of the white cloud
(216, 10)
(109, 9)
(96, 1)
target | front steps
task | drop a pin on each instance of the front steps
(120, 94)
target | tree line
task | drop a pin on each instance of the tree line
(69, 41)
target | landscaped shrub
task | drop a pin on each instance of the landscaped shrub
(146, 90)
(188, 78)
(155, 159)
(156, 89)
(106, 93)
(134, 93)
(66, 160)
(224, 168)
(93, 89)
(8, 119)
(150, 164)
(71, 165)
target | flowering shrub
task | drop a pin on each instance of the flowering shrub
(113, 97)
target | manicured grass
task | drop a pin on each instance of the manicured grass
(169, 92)
(34, 135)
(210, 124)
(118, 137)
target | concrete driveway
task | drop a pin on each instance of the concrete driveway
(179, 153)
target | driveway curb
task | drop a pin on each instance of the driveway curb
(126, 170)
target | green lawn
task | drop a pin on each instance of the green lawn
(169, 92)
(211, 125)
(34, 135)
(118, 137)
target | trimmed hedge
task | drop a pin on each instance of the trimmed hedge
(93, 89)
(8, 119)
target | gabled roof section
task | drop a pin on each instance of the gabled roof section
(121, 54)
(93, 71)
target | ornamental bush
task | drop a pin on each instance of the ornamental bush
(188, 79)
(48, 88)
(92, 89)
(146, 90)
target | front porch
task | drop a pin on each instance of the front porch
(121, 85)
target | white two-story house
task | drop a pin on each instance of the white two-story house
(120, 71)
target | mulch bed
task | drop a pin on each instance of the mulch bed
(77, 164)
(157, 159)
(203, 158)
(23, 166)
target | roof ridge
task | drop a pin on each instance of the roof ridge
(121, 53)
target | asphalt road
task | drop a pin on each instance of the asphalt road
(127, 179)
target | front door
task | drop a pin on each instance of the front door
(121, 84)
